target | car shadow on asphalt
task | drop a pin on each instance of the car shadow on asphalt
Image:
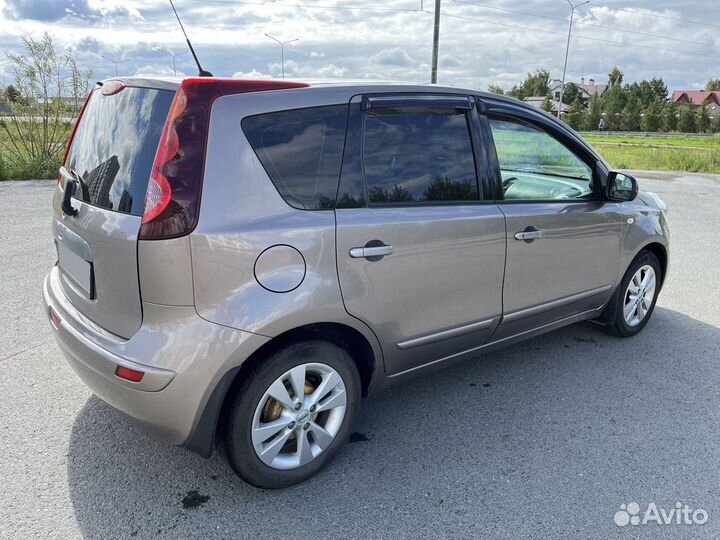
(512, 425)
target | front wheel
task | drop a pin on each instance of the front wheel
(634, 301)
(292, 414)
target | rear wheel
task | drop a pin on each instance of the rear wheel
(292, 414)
(634, 301)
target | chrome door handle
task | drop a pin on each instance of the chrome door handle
(374, 251)
(528, 235)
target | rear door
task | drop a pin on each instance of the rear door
(420, 254)
(109, 162)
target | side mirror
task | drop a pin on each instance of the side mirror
(621, 187)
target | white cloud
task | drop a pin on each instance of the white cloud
(332, 71)
(394, 57)
(252, 75)
(487, 45)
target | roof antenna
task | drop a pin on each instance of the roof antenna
(201, 71)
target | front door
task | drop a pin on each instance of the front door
(563, 240)
(420, 255)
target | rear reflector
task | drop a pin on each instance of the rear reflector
(55, 319)
(172, 199)
(129, 374)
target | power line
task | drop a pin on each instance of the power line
(306, 6)
(579, 36)
(658, 36)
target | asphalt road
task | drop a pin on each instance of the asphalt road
(544, 439)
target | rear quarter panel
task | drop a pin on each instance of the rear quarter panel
(242, 215)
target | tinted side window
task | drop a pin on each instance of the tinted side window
(301, 151)
(536, 166)
(418, 157)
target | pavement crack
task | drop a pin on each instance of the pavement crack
(13, 355)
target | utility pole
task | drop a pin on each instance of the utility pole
(282, 51)
(436, 40)
(573, 7)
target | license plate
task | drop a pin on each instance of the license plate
(76, 268)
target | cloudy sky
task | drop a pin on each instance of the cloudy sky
(481, 41)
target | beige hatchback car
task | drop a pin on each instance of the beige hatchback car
(246, 259)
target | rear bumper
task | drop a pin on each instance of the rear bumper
(182, 355)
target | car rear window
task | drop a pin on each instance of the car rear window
(114, 147)
(301, 151)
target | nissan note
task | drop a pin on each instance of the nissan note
(242, 260)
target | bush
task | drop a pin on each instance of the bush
(38, 168)
(3, 169)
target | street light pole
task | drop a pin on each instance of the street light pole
(174, 55)
(282, 51)
(116, 62)
(573, 7)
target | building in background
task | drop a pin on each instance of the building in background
(696, 99)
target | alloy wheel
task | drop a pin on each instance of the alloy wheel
(639, 295)
(299, 416)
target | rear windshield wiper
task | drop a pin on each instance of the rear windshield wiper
(85, 193)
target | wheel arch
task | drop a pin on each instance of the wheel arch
(660, 251)
(367, 359)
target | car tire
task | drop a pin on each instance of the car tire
(246, 423)
(622, 316)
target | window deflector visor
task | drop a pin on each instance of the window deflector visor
(376, 104)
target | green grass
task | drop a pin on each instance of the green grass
(659, 153)
(16, 165)
(688, 142)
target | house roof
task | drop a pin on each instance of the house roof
(695, 97)
(537, 101)
(593, 89)
(588, 89)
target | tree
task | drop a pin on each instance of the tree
(572, 92)
(547, 104)
(631, 114)
(535, 84)
(575, 113)
(659, 89)
(687, 123)
(614, 105)
(670, 118)
(38, 126)
(445, 189)
(615, 77)
(592, 119)
(396, 194)
(13, 96)
(713, 85)
(495, 89)
(716, 123)
(703, 120)
(652, 119)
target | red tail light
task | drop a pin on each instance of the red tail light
(172, 199)
(72, 135)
